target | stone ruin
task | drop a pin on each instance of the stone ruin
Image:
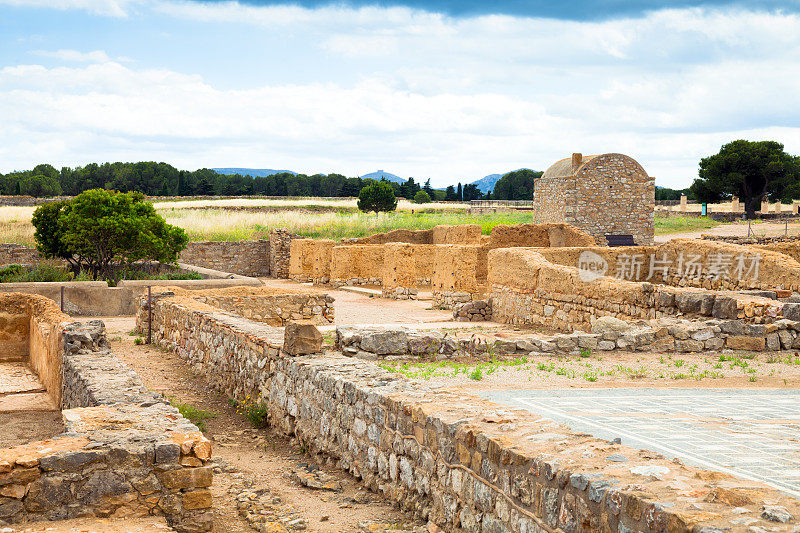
(607, 194)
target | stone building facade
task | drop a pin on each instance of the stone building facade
(600, 194)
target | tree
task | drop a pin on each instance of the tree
(377, 196)
(751, 170)
(471, 192)
(460, 193)
(517, 185)
(40, 186)
(422, 198)
(101, 231)
(427, 188)
(450, 194)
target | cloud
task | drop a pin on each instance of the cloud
(110, 8)
(96, 56)
(421, 94)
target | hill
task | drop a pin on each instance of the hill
(380, 174)
(487, 183)
(254, 172)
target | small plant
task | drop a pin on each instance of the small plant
(193, 414)
(586, 352)
(476, 374)
(255, 412)
(138, 341)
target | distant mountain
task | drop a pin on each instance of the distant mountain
(254, 172)
(380, 174)
(487, 183)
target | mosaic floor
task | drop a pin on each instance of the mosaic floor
(751, 434)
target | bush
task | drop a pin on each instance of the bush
(377, 196)
(39, 273)
(103, 231)
(422, 198)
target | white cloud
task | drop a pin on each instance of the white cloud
(426, 95)
(76, 56)
(111, 8)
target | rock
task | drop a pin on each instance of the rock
(617, 458)
(725, 307)
(385, 342)
(791, 311)
(609, 323)
(649, 470)
(689, 303)
(317, 479)
(755, 344)
(776, 513)
(424, 344)
(301, 337)
(773, 342)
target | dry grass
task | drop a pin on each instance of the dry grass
(15, 225)
(344, 203)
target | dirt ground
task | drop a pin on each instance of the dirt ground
(769, 229)
(21, 427)
(252, 458)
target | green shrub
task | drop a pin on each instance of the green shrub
(422, 198)
(193, 414)
(102, 231)
(255, 412)
(377, 196)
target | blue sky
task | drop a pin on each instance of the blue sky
(441, 89)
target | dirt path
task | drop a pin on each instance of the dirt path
(256, 465)
(770, 229)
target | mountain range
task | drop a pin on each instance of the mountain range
(485, 184)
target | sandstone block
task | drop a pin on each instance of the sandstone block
(301, 338)
(746, 343)
(187, 478)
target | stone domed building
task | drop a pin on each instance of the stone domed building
(608, 194)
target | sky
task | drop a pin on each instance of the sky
(449, 90)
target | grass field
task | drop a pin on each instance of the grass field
(667, 225)
(203, 221)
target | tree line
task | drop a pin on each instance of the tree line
(162, 179)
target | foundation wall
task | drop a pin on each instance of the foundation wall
(356, 265)
(14, 328)
(280, 241)
(310, 260)
(461, 462)
(46, 325)
(538, 235)
(248, 258)
(15, 254)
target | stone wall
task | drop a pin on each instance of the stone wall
(461, 462)
(248, 258)
(270, 306)
(16, 254)
(356, 265)
(456, 271)
(441, 234)
(14, 327)
(603, 194)
(280, 241)
(405, 268)
(538, 235)
(125, 451)
(529, 289)
(310, 260)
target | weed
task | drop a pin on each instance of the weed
(193, 414)
(476, 374)
(138, 341)
(586, 352)
(255, 412)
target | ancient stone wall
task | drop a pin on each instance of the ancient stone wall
(441, 234)
(125, 451)
(461, 462)
(14, 327)
(15, 254)
(248, 258)
(538, 235)
(267, 305)
(406, 267)
(529, 289)
(604, 194)
(280, 241)
(456, 271)
(356, 265)
(310, 260)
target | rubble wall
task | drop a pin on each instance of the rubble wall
(460, 462)
(526, 288)
(247, 258)
(16, 254)
(538, 235)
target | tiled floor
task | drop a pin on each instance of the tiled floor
(17, 377)
(752, 434)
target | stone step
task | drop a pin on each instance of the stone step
(360, 290)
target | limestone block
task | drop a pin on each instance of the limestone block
(301, 337)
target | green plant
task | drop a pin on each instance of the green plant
(254, 411)
(102, 230)
(138, 341)
(476, 374)
(377, 196)
(193, 414)
(422, 198)
(586, 352)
